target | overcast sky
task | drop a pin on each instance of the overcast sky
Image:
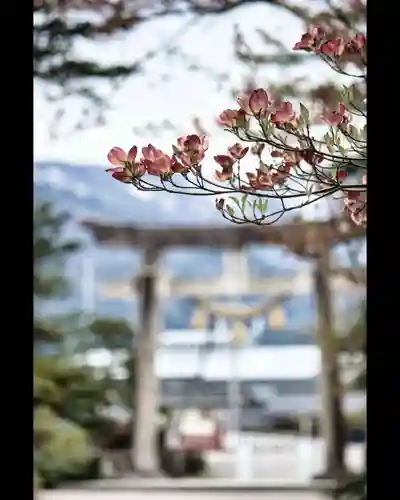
(168, 90)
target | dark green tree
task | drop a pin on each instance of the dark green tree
(67, 397)
(50, 252)
(116, 335)
(72, 393)
(69, 390)
(111, 333)
(60, 446)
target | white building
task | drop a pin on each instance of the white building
(277, 381)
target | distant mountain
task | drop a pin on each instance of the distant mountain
(88, 192)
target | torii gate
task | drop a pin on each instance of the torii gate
(296, 237)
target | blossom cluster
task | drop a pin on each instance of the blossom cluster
(188, 153)
(315, 40)
(260, 121)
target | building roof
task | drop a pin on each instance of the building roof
(247, 363)
(202, 393)
(256, 389)
(308, 404)
(269, 399)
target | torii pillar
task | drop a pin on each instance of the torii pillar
(145, 433)
(333, 424)
(315, 242)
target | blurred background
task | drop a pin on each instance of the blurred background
(238, 360)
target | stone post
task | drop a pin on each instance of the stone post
(145, 432)
(332, 420)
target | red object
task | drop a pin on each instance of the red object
(198, 443)
(203, 443)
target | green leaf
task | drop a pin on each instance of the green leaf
(329, 142)
(356, 98)
(351, 93)
(175, 150)
(305, 114)
(244, 201)
(331, 149)
(230, 210)
(262, 205)
(235, 201)
(345, 96)
(266, 128)
(353, 132)
(300, 123)
(364, 132)
(243, 123)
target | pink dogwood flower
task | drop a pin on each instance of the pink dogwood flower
(257, 148)
(336, 117)
(191, 149)
(355, 203)
(121, 174)
(155, 161)
(231, 118)
(357, 43)
(176, 166)
(226, 162)
(283, 114)
(244, 103)
(267, 178)
(333, 48)
(193, 142)
(126, 167)
(309, 41)
(254, 103)
(117, 156)
(259, 180)
(237, 151)
(259, 102)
